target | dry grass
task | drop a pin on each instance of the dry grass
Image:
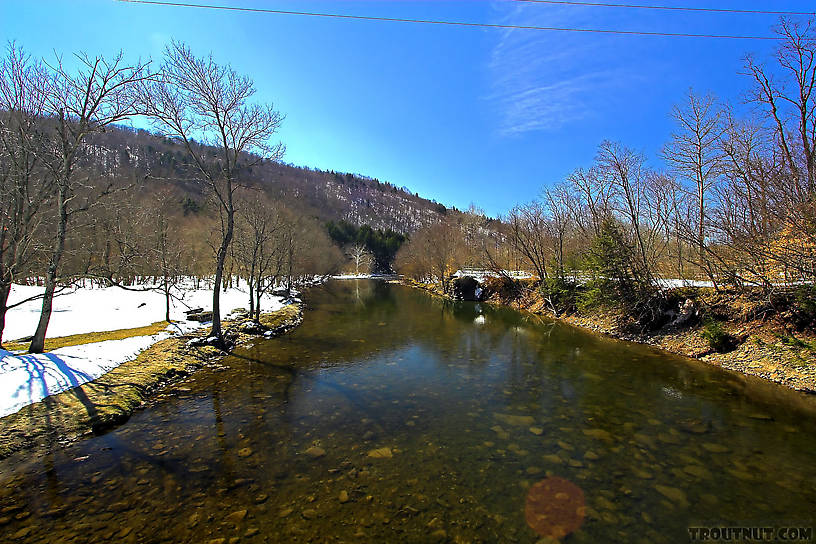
(281, 317)
(91, 337)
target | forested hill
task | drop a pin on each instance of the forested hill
(157, 162)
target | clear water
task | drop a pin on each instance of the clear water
(475, 404)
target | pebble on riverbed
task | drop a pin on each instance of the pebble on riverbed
(315, 452)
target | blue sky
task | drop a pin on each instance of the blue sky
(459, 115)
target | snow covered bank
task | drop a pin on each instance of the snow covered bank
(86, 309)
(27, 378)
(365, 276)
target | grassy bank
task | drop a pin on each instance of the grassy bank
(88, 338)
(111, 399)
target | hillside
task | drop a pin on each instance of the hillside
(156, 162)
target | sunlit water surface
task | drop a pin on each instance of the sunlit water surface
(475, 405)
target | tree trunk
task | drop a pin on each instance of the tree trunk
(219, 265)
(38, 342)
(219, 271)
(5, 289)
(251, 283)
(258, 295)
(166, 300)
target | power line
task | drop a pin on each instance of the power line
(667, 8)
(448, 23)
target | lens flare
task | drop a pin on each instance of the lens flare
(555, 507)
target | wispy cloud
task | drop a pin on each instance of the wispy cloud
(544, 81)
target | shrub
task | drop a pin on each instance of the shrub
(717, 337)
(561, 294)
(620, 280)
(503, 288)
(803, 311)
(792, 341)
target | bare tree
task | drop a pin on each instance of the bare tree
(24, 191)
(790, 102)
(529, 234)
(694, 153)
(165, 255)
(431, 253)
(557, 201)
(360, 256)
(80, 102)
(632, 187)
(194, 99)
(257, 250)
(591, 196)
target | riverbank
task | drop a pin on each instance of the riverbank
(110, 400)
(763, 347)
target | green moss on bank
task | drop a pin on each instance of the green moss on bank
(281, 318)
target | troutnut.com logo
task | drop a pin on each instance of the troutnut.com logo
(750, 534)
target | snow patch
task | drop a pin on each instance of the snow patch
(87, 309)
(29, 378)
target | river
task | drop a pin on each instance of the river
(393, 416)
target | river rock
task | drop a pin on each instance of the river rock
(22, 533)
(672, 493)
(694, 426)
(439, 536)
(715, 448)
(669, 438)
(435, 523)
(644, 440)
(642, 474)
(237, 516)
(552, 458)
(741, 474)
(599, 434)
(515, 420)
(192, 521)
(285, 512)
(315, 452)
(697, 471)
(760, 416)
(381, 453)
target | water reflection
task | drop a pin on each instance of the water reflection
(393, 416)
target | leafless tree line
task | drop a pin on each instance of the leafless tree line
(734, 204)
(50, 195)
